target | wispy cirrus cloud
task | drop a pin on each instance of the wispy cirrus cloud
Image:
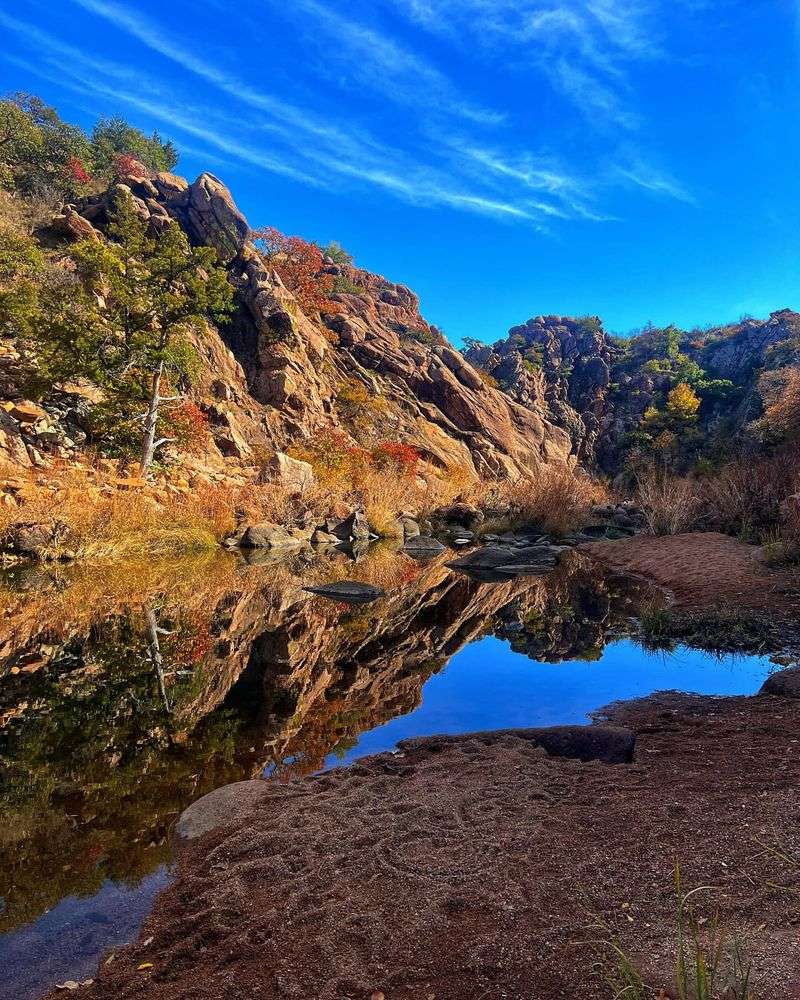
(645, 176)
(448, 149)
(317, 164)
(582, 48)
(372, 58)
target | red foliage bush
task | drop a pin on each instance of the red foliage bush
(299, 266)
(77, 172)
(126, 165)
(392, 453)
(189, 426)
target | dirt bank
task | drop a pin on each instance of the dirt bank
(480, 867)
(704, 570)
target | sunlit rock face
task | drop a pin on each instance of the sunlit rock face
(126, 697)
(277, 372)
(597, 387)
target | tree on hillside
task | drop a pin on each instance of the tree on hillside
(337, 253)
(126, 326)
(21, 268)
(112, 137)
(472, 344)
(41, 155)
(299, 266)
(672, 430)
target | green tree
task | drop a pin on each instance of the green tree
(114, 136)
(128, 326)
(472, 344)
(21, 268)
(672, 429)
(39, 153)
(337, 253)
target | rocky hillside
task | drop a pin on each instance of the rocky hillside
(608, 393)
(274, 376)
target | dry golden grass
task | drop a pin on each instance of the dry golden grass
(670, 503)
(71, 599)
(98, 520)
(556, 499)
(100, 516)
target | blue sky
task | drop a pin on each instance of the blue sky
(637, 159)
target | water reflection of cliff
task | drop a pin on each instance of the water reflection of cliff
(128, 692)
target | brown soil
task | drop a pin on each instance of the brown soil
(482, 868)
(704, 570)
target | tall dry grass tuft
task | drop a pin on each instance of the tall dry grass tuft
(748, 497)
(97, 520)
(670, 503)
(556, 499)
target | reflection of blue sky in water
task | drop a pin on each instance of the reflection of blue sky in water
(485, 686)
(67, 942)
(489, 686)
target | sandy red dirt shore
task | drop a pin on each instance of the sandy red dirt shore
(481, 867)
(705, 570)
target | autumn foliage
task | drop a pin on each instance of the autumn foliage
(189, 426)
(126, 165)
(394, 455)
(299, 266)
(77, 172)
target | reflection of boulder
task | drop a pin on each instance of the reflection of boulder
(252, 671)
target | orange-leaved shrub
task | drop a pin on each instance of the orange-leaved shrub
(383, 480)
(299, 266)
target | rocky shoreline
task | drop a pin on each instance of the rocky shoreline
(522, 867)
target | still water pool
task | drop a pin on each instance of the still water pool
(125, 698)
(489, 686)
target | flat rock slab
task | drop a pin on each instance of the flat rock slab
(346, 590)
(423, 544)
(486, 558)
(609, 744)
(784, 683)
(525, 569)
(216, 808)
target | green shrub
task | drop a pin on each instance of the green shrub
(337, 253)
(345, 286)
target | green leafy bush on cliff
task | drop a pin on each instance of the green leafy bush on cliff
(42, 156)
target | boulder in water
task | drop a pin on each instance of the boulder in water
(347, 590)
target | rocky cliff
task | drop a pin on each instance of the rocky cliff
(274, 376)
(598, 387)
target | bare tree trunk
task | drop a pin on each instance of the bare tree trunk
(150, 420)
(154, 652)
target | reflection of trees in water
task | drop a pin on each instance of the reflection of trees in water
(157, 694)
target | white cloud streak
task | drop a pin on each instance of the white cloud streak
(436, 166)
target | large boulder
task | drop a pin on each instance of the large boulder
(213, 217)
(353, 529)
(25, 412)
(267, 535)
(423, 544)
(218, 808)
(74, 226)
(35, 540)
(784, 683)
(289, 472)
(485, 558)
